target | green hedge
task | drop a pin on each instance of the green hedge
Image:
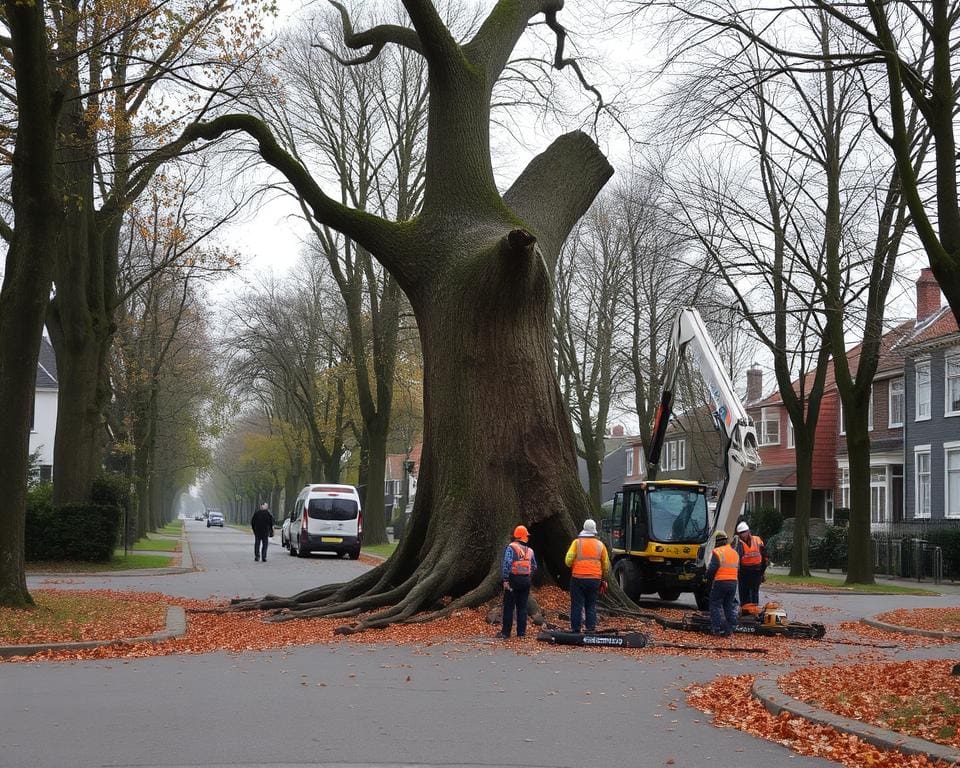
(766, 522)
(80, 531)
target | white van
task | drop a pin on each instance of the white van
(325, 518)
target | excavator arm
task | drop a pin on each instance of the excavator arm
(740, 455)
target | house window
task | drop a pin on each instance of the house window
(878, 494)
(769, 426)
(46, 473)
(842, 420)
(828, 506)
(870, 411)
(952, 487)
(895, 398)
(629, 462)
(921, 458)
(790, 440)
(923, 390)
(952, 385)
(845, 488)
(675, 455)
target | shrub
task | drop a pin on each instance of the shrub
(948, 539)
(766, 522)
(39, 518)
(82, 532)
(111, 489)
(829, 550)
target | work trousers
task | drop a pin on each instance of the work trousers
(260, 541)
(583, 599)
(723, 607)
(515, 599)
(750, 585)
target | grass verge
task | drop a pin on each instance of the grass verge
(156, 545)
(825, 582)
(63, 617)
(131, 562)
(384, 550)
(175, 528)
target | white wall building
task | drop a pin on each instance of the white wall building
(43, 426)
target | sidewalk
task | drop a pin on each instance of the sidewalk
(945, 587)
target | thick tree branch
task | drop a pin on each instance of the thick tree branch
(557, 188)
(376, 38)
(6, 231)
(375, 234)
(498, 35)
(438, 44)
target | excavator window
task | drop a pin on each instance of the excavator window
(678, 515)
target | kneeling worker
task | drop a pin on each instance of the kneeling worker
(723, 569)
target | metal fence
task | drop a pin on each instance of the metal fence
(925, 550)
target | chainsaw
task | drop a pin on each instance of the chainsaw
(769, 621)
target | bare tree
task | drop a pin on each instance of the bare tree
(366, 125)
(590, 294)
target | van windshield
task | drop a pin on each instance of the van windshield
(333, 509)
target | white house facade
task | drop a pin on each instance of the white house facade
(43, 426)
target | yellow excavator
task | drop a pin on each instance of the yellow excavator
(660, 532)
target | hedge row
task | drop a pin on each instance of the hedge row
(86, 532)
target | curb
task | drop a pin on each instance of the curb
(186, 566)
(176, 625)
(911, 630)
(776, 701)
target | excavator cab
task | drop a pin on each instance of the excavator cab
(657, 530)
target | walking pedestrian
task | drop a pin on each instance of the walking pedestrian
(589, 565)
(517, 569)
(262, 524)
(753, 564)
(723, 569)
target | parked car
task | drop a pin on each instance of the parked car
(215, 518)
(325, 518)
(198, 516)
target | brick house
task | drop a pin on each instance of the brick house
(774, 484)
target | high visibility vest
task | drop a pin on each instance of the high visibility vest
(522, 564)
(751, 552)
(588, 563)
(729, 563)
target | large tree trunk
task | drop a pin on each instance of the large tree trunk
(800, 554)
(28, 272)
(859, 543)
(374, 517)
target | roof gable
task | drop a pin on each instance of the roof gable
(47, 366)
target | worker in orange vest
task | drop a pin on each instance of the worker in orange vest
(724, 569)
(753, 563)
(589, 565)
(516, 570)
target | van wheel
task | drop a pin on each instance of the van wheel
(290, 550)
(354, 554)
(669, 595)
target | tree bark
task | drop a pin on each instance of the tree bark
(28, 273)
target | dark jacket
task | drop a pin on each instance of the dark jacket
(261, 522)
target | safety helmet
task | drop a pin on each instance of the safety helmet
(720, 536)
(520, 532)
(742, 527)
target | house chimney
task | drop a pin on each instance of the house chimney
(928, 294)
(754, 383)
(617, 430)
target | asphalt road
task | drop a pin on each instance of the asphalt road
(356, 705)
